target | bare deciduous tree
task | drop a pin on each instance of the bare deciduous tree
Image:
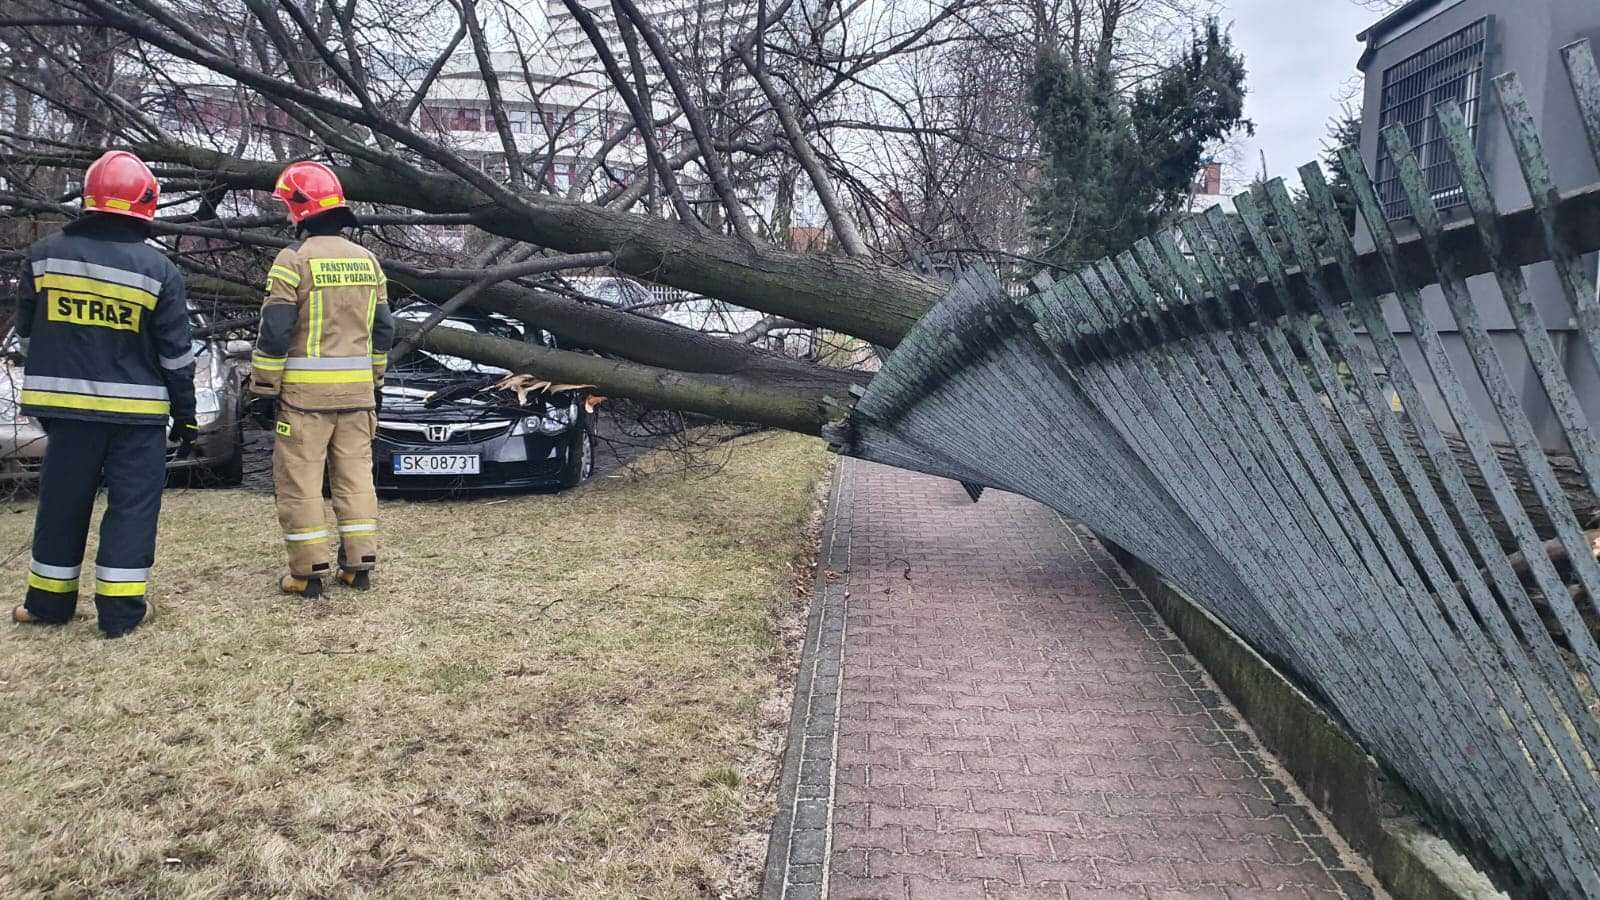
(679, 150)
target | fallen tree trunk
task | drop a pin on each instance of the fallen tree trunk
(791, 405)
(642, 339)
(667, 366)
(859, 297)
(613, 332)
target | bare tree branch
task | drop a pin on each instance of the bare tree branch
(669, 180)
(843, 227)
(483, 279)
(491, 83)
(697, 122)
(432, 75)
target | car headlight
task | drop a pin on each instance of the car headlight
(207, 405)
(554, 421)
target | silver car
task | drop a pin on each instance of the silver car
(217, 456)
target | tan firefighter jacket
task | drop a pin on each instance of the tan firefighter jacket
(325, 327)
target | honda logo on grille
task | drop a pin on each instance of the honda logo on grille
(439, 433)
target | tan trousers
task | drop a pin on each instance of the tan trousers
(340, 442)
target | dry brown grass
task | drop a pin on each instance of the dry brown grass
(543, 697)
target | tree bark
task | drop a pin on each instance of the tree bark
(652, 342)
(792, 406)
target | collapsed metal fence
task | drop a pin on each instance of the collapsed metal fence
(1228, 402)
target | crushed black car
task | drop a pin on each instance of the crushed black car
(452, 426)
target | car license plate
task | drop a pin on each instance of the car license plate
(436, 463)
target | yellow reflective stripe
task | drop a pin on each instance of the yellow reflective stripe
(326, 376)
(286, 275)
(120, 588)
(372, 312)
(268, 363)
(53, 585)
(86, 285)
(314, 326)
(97, 404)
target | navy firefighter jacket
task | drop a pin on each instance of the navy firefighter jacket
(105, 327)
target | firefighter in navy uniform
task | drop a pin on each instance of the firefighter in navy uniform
(104, 327)
(317, 371)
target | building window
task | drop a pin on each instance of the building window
(519, 120)
(494, 166)
(560, 177)
(1452, 69)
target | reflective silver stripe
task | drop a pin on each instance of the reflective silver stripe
(177, 362)
(345, 529)
(94, 388)
(111, 573)
(63, 573)
(306, 535)
(333, 363)
(53, 266)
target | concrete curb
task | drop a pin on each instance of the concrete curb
(1374, 815)
(797, 851)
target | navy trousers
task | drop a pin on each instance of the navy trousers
(133, 461)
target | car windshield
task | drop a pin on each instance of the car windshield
(429, 361)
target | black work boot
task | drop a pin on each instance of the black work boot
(361, 579)
(21, 616)
(120, 618)
(309, 587)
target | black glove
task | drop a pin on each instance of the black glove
(184, 432)
(262, 410)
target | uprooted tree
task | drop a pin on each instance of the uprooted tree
(491, 168)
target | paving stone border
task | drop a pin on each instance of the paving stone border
(798, 850)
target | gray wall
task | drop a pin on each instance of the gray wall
(1525, 37)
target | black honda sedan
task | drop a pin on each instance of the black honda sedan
(450, 426)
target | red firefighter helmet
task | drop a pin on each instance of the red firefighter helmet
(309, 189)
(119, 182)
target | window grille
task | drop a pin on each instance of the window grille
(1452, 69)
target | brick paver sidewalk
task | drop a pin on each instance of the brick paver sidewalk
(1001, 715)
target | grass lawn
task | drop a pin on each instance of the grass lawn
(542, 696)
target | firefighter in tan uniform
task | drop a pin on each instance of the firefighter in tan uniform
(321, 352)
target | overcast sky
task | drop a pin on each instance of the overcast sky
(1300, 55)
